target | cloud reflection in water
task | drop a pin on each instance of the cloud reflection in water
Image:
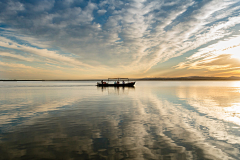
(150, 121)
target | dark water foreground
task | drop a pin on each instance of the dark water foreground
(154, 120)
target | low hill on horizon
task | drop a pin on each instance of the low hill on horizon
(193, 78)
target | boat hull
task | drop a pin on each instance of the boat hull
(116, 85)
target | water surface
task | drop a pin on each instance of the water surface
(154, 120)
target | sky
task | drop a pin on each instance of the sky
(80, 39)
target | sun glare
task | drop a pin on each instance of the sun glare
(235, 52)
(236, 56)
(229, 46)
(236, 84)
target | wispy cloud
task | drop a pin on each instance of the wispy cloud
(118, 36)
(40, 52)
(14, 65)
(10, 55)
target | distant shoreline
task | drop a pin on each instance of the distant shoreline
(149, 79)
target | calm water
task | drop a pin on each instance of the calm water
(154, 120)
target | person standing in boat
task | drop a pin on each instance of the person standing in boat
(123, 82)
(102, 81)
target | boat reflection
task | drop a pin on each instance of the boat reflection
(116, 90)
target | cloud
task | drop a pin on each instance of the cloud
(40, 52)
(101, 12)
(133, 36)
(14, 65)
(220, 56)
(10, 55)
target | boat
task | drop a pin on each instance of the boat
(119, 82)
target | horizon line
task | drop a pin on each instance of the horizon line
(146, 78)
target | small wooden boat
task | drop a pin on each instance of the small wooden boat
(117, 83)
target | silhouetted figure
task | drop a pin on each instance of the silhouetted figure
(123, 82)
(102, 81)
